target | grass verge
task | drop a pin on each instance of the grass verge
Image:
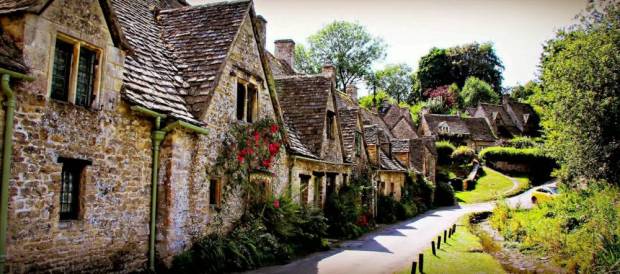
(492, 185)
(463, 253)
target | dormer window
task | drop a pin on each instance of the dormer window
(247, 102)
(443, 128)
(75, 72)
(330, 127)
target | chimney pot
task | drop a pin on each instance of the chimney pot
(329, 70)
(352, 91)
(285, 51)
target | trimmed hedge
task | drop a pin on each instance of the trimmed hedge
(444, 151)
(539, 165)
(463, 155)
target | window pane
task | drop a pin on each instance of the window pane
(86, 77)
(213, 192)
(69, 191)
(240, 101)
(251, 109)
(62, 70)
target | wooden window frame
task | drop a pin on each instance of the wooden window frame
(304, 192)
(74, 69)
(77, 167)
(250, 102)
(215, 191)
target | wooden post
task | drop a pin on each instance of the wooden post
(454, 227)
(445, 238)
(421, 262)
(414, 265)
(438, 242)
(433, 246)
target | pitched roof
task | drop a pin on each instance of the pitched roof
(348, 125)
(10, 55)
(303, 99)
(279, 67)
(497, 112)
(400, 145)
(389, 164)
(177, 54)
(524, 113)
(294, 142)
(479, 129)
(371, 118)
(10, 6)
(456, 125)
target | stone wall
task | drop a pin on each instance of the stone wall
(510, 167)
(188, 158)
(111, 233)
(316, 170)
(389, 177)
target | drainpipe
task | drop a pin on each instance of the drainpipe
(7, 152)
(157, 136)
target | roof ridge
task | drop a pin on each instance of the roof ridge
(205, 5)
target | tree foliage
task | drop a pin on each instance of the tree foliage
(454, 65)
(580, 96)
(396, 80)
(477, 91)
(524, 92)
(347, 46)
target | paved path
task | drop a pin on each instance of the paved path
(389, 249)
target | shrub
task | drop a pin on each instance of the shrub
(343, 210)
(444, 194)
(522, 142)
(444, 151)
(539, 165)
(463, 155)
(579, 229)
(386, 209)
(420, 190)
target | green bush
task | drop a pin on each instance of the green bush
(386, 209)
(540, 166)
(343, 210)
(523, 142)
(444, 194)
(420, 190)
(444, 151)
(579, 229)
(463, 155)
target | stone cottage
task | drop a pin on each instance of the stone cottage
(125, 93)
(472, 132)
(310, 113)
(510, 119)
(390, 174)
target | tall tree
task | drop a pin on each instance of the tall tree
(477, 91)
(580, 95)
(347, 46)
(524, 92)
(396, 80)
(454, 65)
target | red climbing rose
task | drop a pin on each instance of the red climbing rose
(274, 148)
(276, 203)
(274, 128)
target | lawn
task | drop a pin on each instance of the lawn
(462, 254)
(492, 185)
(524, 184)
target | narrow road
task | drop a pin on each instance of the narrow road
(390, 249)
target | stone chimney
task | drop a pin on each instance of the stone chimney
(329, 70)
(285, 51)
(352, 91)
(261, 27)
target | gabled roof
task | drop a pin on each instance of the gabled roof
(10, 6)
(303, 99)
(456, 125)
(524, 113)
(388, 164)
(279, 67)
(177, 54)
(371, 118)
(294, 142)
(479, 129)
(400, 145)
(348, 125)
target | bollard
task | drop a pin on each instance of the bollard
(445, 232)
(421, 262)
(433, 246)
(450, 232)
(454, 228)
(414, 265)
(438, 242)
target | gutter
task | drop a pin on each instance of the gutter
(157, 136)
(7, 152)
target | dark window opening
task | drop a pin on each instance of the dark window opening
(70, 182)
(252, 107)
(61, 72)
(215, 193)
(86, 77)
(358, 144)
(240, 102)
(330, 127)
(331, 184)
(304, 184)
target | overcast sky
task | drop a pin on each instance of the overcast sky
(410, 28)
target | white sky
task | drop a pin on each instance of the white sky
(410, 28)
